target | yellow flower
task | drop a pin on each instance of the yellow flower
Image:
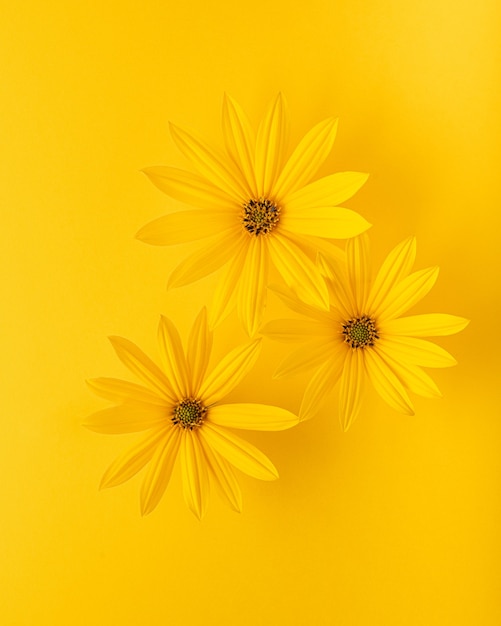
(181, 410)
(254, 207)
(363, 336)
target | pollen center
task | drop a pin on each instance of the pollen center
(260, 216)
(360, 332)
(189, 413)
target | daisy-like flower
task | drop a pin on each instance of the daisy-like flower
(181, 410)
(255, 206)
(363, 337)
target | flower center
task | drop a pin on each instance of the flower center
(260, 217)
(189, 413)
(360, 332)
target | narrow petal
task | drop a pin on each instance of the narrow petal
(243, 455)
(118, 390)
(290, 299)
(239, 139)
(173, 359)
(189, 188)
(417, 352)
(339, 284)
(352, 385)
(407, 293)
(271, 144)
(396, 266)
(429, 325)
(411, 376)
(225, 294)
(306, 159)
(126, 418)
(194, 473)
(298, 271)
(199, 350)
(387, 384)
(210, 163)
(206, 260)
(329, 222)
(359, 271)
(252, 417)
(296, 330)
(229, 372)
(252, 288)
(186, 226)
(329, 191)
(308, 356)
(320, 385)
(224, 477)
(132, 461)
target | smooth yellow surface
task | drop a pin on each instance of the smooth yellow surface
(395, 522)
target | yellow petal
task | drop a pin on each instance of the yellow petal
(229, 372)
(330, 222)
(210, 163)
(411, 376)
(329, 191)
(225, 294)
(159, 471)
(271, 144)
(352, 387)
(206, 260)
(132, 461)
(306, 159)
(296, 330)
(407, 293)
(239, 140)
(290, 299)
(396, 266)
(298, 271)
(417, 352)
(252, 288)
(387, 384)
(224, 477)
(252, 417)
(432, 324)
(339, 285)
(121, 390)
(173, 359)
(194, 473)
(126, 418)
(359, 272)
(243, 455)
(306, 357)
(141, 365)
(186, 226)
(199, 350)
(321, 384)
(189, 188)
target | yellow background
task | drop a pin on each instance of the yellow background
(395, 522)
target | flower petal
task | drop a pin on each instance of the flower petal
(252, 417)
(229, 372)
(320, 385)
(306, 357)
(210, 163)
(352, 386)
(239, 139)
(271, 144)
(225, 294)
(206, 260)
(118, 390)
(339, 285)
(306, 159)
(329, 191)
(126, 418)
(296, 330)
(357, 252)
(194, 473)
(329, 222)
(138, 363)
(199, 350)
(395, 267)
(159, 471)
(186, 226)
(243, 455)
(428, 325)
(132, 461)
(387, 384)
(407, 293)
(298, 271)
(224, 477)
(417, 352)
(252, 288)
(189, 188)
(290, 299)
(411, 376)
(173, 359)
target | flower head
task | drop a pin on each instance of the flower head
(255, 207)
(363, 337)
(180, 408)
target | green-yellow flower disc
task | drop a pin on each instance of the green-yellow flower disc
(260, 217)
(360, 332)
(189, 413)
